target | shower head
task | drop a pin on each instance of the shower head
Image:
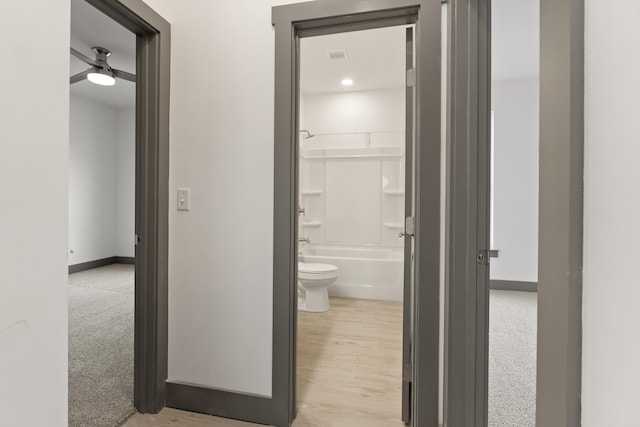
(308, 134)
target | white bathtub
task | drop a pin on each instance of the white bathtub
(364, 272)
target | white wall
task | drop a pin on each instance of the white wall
(359, 111)
(220, 253)
(516, 156)
(101, 181)
(611, 348)
(92, 183)
(355, 205)
(125, 171)
(34, 117)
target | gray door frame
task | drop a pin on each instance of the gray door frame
(559, 359)
(408, 282)
(561, 201)
(467, 230)
(152, 196)
(326, 17)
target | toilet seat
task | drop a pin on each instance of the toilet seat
(314, 268)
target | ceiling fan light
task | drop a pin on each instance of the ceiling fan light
(102, 79)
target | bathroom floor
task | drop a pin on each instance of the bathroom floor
(350, 364)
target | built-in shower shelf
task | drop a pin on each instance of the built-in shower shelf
(394, 192)
(312, 224)
(394, 225)
(312, 192)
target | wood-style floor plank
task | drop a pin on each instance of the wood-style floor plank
(349, 371)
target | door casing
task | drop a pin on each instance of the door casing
(328, 17)
(561, 213)
(153, 41)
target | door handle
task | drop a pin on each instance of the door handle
(403, 234)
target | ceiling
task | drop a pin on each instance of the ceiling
(90, 27)
(375, 58)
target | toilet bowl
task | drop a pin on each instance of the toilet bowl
(313, 282)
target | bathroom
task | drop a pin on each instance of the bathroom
(351, 193)
(352, 161)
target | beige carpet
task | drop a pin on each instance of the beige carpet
(512, 358)
(101, 309)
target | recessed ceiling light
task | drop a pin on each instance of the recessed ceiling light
(347, 82)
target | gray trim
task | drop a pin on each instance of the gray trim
(513, 285)
(467, 281)
(285, 229)
(321, 16)
(125, 260)
(221, 403)
(152, 195)
(559, 358)
(89, 265)
(426, 308)
(408, 279)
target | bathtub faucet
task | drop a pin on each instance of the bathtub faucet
(304, 239)
(308, 134)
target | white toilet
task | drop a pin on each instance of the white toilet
(313, 282)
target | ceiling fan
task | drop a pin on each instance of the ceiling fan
(100, 72)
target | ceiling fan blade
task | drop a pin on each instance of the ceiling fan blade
(124, 75)
(84, 58)
(78, 77)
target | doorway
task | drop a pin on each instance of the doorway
(152, 41)
(421, 309)
(101, 222)
(354, 106)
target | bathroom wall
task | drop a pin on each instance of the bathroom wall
(352, 171)
(515, 104)
(101, 181)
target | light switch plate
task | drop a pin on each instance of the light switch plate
(184, 196)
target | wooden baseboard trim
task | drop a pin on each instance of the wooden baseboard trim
(125, 260)
(221, 403)
(512, 285)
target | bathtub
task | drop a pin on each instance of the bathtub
(364, 272)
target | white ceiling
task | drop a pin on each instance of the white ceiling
(375, 58)
(90, 27)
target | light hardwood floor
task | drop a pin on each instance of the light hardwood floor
(349, 371)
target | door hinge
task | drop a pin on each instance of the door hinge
(407, 372)
(411, 77)
(409, 227)
(483, 256)
(136, 240)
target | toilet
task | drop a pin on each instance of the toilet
(313, 282)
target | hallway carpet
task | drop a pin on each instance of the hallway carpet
(512, 358)
(101, 346)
